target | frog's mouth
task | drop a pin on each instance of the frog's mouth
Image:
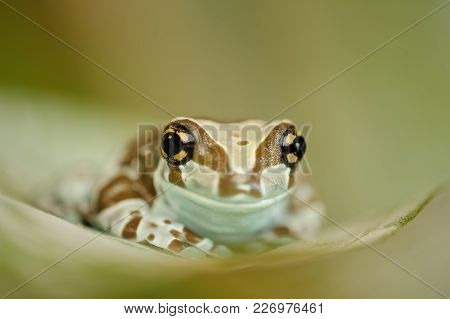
(231, 218)
(227, 192)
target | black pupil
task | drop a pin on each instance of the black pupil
(172, 144)
(298, 147)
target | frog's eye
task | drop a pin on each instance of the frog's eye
(177, 145)
(293, 147)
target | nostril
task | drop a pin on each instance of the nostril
(242, 143)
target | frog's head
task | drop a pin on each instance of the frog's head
(228, 169)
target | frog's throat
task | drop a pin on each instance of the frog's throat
(221, 220)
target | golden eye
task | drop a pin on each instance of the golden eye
(177, 146)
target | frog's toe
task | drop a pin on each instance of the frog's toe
(221, 251)
(192, 252)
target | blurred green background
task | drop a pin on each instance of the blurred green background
(380, 132)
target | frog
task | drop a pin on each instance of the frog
(198, 187)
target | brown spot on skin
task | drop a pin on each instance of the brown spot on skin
(118, 189)
(175, 233)
(281, 231)
(153, 225)
(191, 237)
(177, 245)
(175, 176)
(151, 237)
(168, 222)
(148, 186)
(229, 187)
(129, 231)
(242, 143)
(122, 187)
(291, 177)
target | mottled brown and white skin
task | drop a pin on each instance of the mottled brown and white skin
(199, 187)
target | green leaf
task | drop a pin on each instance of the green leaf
(78, 262)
